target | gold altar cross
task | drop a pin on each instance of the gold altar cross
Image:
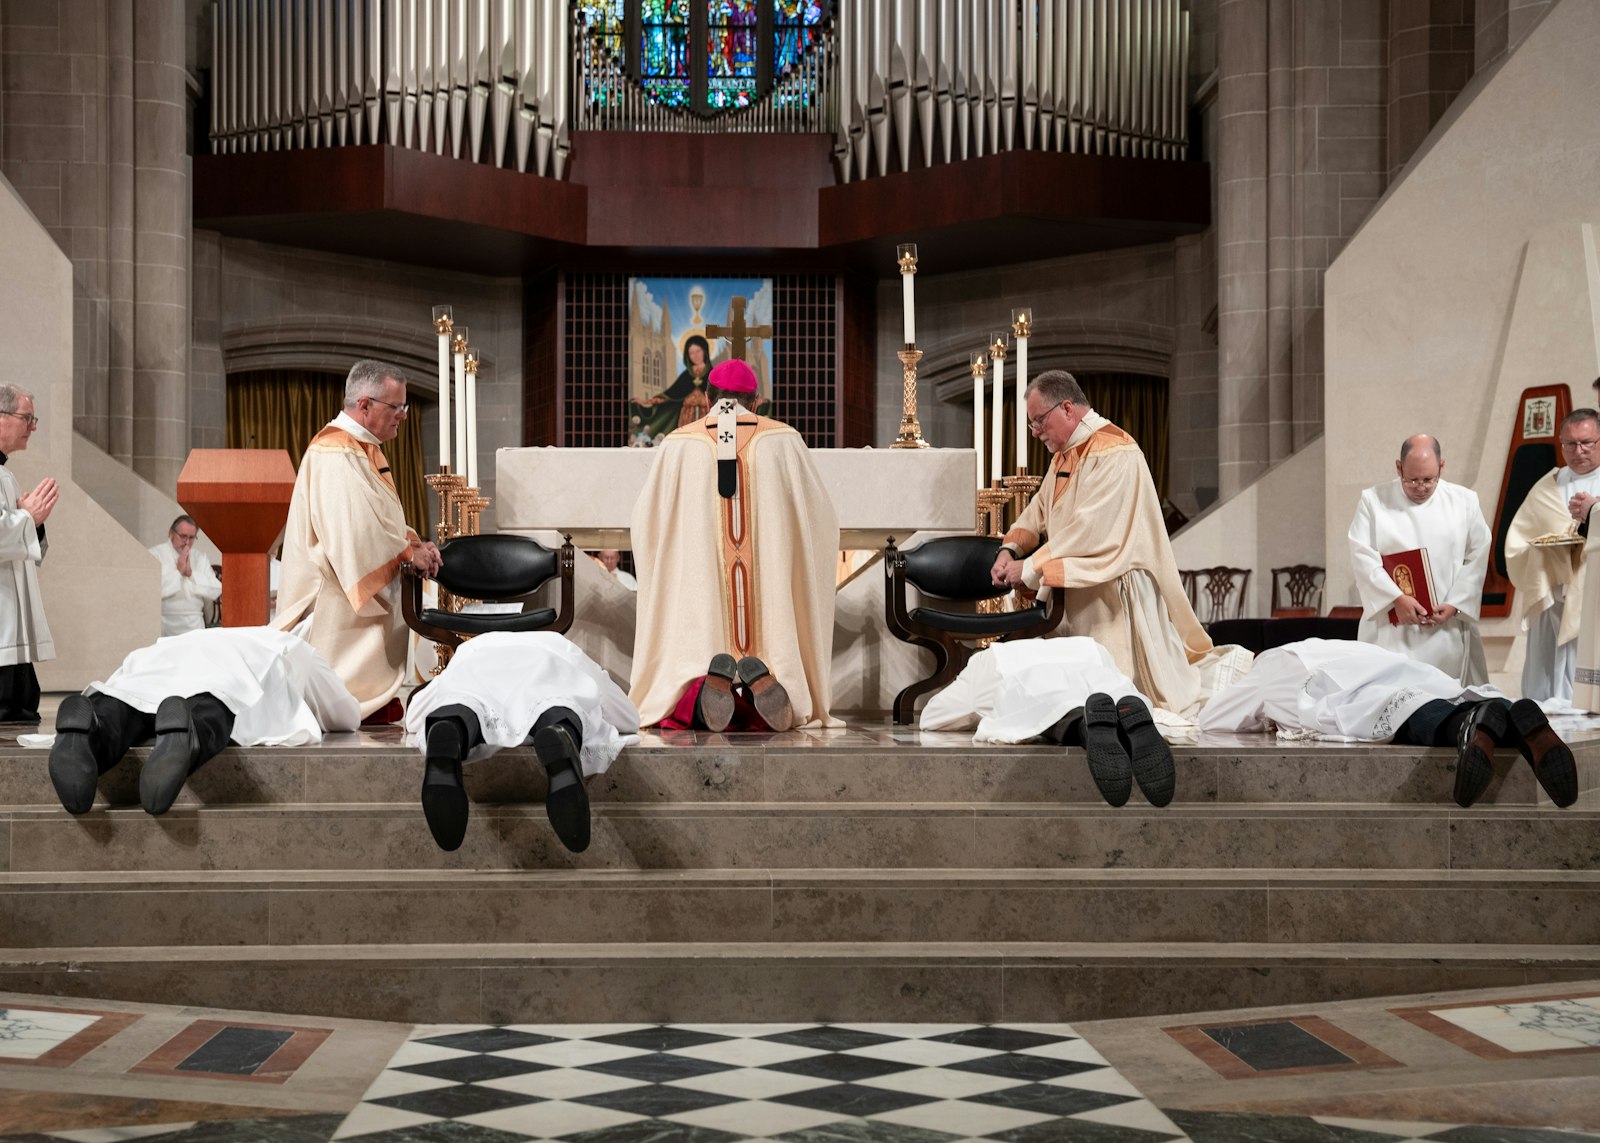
(736, 331)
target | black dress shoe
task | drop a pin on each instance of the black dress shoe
(444, 798)
(566, 803)
(1484, 726)
(1550, 757)
(766, 694)
(1109, 765)
(713, 707)
(171, 758)
(73, 771)
(1148, 751)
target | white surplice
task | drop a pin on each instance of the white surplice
(184, 597)
(1015, 691)
(24, 634)
(1586, 655)
(509, 678)
(1550, 585)
(280, 690)
(1449, 525)
(1336, 689)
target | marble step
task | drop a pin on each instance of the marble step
(1274, 907)
(842, 835)
(821, 773)
(776, 981)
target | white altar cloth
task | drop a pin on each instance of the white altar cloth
(589, 493)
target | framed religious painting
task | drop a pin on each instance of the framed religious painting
(679, 329)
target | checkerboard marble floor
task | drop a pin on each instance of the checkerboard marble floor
(802, 1083)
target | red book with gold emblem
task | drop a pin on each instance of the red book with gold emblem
(1413, 576)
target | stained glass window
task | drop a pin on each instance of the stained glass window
(605, 20)
(664, 51)
(732, 53)
(797, 23)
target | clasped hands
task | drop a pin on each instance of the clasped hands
(1007, 570)
(41, 501)
(1409, 613)
(1580, 504)
(424, 556)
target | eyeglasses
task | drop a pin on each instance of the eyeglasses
(1037, 423)
(33, 421)
(1420, 482)
(1580, 446)
(391, 404)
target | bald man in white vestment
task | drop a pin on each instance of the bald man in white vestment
(1347, 691)
(1550, 580)
(1062, 690)
(1095, 532)
(194, 693)
(735, 540)
(1420, 509)
(506, 688)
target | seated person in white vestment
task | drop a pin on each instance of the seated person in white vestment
(1060, 690)
(187, 581)
(735, 541)
(503, 689)
(1550, 579)
(346, 542)
(194, 693)
(24, 633)
(611, 559)
(1420, 510)
(1348, 691)
(1095, 532)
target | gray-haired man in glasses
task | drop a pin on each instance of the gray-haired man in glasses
(24, 634)
(1430, 617)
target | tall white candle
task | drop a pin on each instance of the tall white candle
(995, 438)
(1022, 408)
(442, 324)
(979, 367)
(471, 401)
(461, 410)
(906, 256)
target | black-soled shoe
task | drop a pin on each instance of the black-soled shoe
(73, 771)
(766, 694)
(1147, 751)
(566, 803)
(1550, 757)
(713, 707)
(1484, 726)
(171, 758)
(1109, 764)
(444, 797)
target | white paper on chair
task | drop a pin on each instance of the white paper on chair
(491, 609)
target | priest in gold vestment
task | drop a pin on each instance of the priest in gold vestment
(735, 540)
(347, 541)
(1094, 531)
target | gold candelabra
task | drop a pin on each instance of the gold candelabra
(1021, 488)
(910, 435)
(991, 509)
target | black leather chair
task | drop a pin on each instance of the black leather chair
(492, 568)
(952, 568)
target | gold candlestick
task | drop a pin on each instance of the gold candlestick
(1022, 486)
(910, 429)
(991, 503)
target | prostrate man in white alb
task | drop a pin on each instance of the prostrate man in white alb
(194, 693)
(1419, 509)
(1347, 691)
(503, 689)
(187, 581)
(346, 542)
(1060, 690)
(1550, 579)
(24, 634)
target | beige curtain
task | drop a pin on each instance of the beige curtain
(285, 408)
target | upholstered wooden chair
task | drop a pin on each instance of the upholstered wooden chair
(1216, 593)
(1297, 591)
(492, 568)
(952, 568)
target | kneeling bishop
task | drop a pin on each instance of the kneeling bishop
(194, 693)
(507, 688)
(1341, 690)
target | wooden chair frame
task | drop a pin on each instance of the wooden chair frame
(411, 600)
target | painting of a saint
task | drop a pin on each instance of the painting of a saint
(726, 318)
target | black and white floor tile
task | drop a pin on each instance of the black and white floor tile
(716, 1083)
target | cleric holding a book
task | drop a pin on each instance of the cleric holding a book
(1420, 548)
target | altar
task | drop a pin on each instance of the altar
(589, 493)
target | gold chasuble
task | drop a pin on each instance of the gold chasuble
(1542, 575)
(747, 574)
(1094, 531)
(342, 551)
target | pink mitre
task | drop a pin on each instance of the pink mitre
(733, 376)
